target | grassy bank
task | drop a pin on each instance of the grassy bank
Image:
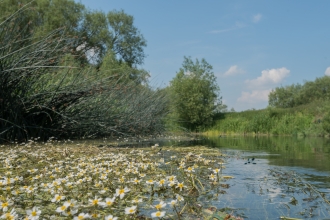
(304, 120)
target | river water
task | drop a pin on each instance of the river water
(275, 176)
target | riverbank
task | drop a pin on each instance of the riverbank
(305, 120)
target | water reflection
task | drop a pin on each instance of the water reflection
(257, 196)
(281, 151)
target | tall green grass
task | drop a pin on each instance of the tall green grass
(306, 120)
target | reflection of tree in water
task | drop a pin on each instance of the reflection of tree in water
(282, 151)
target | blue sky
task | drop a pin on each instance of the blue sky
(253, 46)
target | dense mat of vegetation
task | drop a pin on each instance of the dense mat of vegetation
(49, 181)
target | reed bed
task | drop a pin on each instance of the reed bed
(45, 91)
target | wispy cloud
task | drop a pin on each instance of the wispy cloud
(327, 71)
(233, 70)
(256, 18)
(237, 25)
(269, 77)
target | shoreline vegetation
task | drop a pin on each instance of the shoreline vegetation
(306, 120)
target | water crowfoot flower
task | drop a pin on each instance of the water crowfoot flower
(160, 205)
(12, 215)
(58, 198)
(109, 202)
(180, 185)
(130, 210)
(96, 201)
(173, 202)
(82, 216)
(158, 214)
(110, 217)
(4, 205)
(121, 192)
(33, 213)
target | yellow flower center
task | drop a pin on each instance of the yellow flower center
(95, 202)
(34, 213)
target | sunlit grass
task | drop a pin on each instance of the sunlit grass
(81, 182)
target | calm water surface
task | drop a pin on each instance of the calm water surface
(301, 164)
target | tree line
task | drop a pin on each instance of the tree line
(300, 94)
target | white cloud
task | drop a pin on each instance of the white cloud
(233, 70)
(269, 77)
(255, 96)
(327, 71)
(256, 18)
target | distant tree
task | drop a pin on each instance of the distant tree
(297, 94)
(93, 33)
(232, 110)
(126, 40)
(326, 123)
(195, 93)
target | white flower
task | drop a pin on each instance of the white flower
(180, 185)
(10, 215)
(96, 201)
(58, 198)
(130, 210)
(150, 182)
(108, 202)
(82, 216)
(158, 214)
(160, 205)
(110, 217)
(179, 198)
(71, 212)
(217, 170)
(190, 170)
(34, 213)
(136, 200)
(161, 182)
(63, 207)
(121, 192)
(4, 205)
(173, 202)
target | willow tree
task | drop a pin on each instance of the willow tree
(195, 94)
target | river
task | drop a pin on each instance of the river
(275, 176)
